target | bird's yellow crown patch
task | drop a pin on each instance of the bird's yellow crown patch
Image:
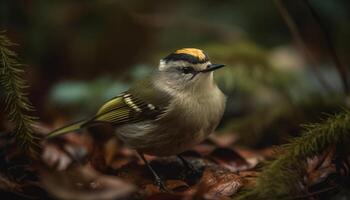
(190, 55)
(193, 52)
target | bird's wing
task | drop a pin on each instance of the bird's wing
(141, 102)
(125, 109)
(131, 106)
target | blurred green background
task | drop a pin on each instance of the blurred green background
(81, 53)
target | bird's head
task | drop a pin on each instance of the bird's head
(187, 67)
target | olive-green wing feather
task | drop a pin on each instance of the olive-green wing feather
(66, 129)
(116, 111)
(140, 102)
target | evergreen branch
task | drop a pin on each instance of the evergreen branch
(17, 104)
(283, 177)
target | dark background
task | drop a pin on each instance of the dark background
(81, 53)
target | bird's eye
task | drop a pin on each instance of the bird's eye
(187, 70)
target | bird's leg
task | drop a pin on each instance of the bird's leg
(159, 181)
(192, 174)
(185, 163)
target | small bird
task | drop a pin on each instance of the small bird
(177, 107)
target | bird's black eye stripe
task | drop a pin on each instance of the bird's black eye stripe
(187, 70)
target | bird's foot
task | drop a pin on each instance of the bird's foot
(159, 182)
(191, 173)
(161, 185)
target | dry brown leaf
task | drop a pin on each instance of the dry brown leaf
(84, 183)
(218, 182)
(69, 149)
(320, 167)
(249, 178)
(205, 148)
(229, 159)
(223, 140)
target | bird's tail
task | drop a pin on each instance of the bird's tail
(66, 129)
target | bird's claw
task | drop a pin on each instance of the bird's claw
(161, 185)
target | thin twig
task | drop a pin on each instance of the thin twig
(340, 67)
(299, 41)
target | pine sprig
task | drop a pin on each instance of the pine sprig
(17, 104)
(283, 177)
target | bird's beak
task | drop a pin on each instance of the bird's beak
(212, 67)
